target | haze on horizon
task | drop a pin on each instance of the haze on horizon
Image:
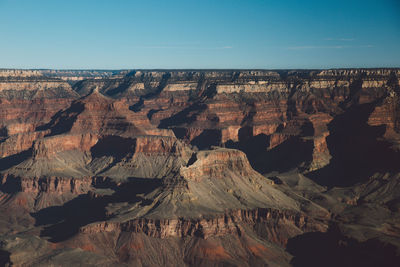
(177, 34)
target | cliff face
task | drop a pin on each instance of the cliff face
(194, 167)
(231, 108)
(216, 163)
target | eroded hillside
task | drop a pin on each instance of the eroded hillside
(203, 168)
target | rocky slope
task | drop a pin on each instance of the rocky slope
(241, 168)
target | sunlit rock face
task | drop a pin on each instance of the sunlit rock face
(198, 168)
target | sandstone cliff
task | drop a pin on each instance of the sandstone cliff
(228, 167)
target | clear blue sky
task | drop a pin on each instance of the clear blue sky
(118, 34)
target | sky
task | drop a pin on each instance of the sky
(203, 34)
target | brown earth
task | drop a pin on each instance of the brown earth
(200, 168)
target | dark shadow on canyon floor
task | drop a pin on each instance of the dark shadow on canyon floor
(8, 162)
(62, 222)
(4, 258)
(207, 139)
(290, 154)
(331, 249)
(356, 148)
(187, 115)
(114, 146)
(63, 120)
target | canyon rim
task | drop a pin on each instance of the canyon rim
(212, 133)
(200, 168)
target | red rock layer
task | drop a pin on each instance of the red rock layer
(19, 119)
(216, 163)
(281, 225)
(49, 146)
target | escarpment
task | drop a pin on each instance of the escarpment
(279, 226)
(196, 167)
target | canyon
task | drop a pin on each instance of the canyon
(200, 167)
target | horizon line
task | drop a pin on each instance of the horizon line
(194, 69)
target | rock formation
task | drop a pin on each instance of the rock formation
(182, 168)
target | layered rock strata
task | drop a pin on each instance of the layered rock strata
(195, 167)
